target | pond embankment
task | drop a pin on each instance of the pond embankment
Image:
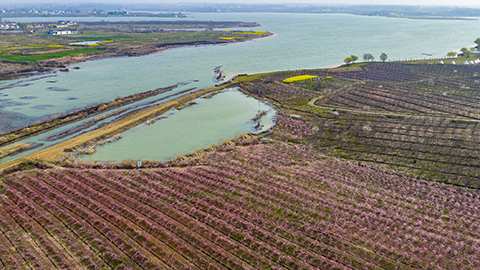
(55, 152)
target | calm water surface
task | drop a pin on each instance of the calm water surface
(187, 129)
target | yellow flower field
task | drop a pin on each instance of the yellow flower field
(56, 46)
(299, 78)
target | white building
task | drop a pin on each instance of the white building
(62, 32)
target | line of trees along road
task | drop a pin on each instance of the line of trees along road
(366, 57)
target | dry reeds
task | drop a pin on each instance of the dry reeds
(199, 156)
(88, 151)
(193, 158)
(16, 147)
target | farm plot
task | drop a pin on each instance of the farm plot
(417, 118)
(441, 149)
(277, 91)
(266, 206)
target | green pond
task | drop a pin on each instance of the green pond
(209, 121)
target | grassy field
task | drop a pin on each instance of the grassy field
(23, 53)
(46, 56)
(14, 47)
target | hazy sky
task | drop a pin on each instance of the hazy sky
(473, 3)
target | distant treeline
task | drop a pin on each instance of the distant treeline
(369, 10)
(215, 24)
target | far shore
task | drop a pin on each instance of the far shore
(63, 63)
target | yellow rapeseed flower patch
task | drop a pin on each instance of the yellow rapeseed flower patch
(37, 45)
(107, 41)
(299, 78)
(329, 77)
(56, 46)
(93, 45)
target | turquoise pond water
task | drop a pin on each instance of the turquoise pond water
(186, 129)
(301, 41)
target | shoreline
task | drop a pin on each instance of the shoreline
(55, 152)
(44, 66)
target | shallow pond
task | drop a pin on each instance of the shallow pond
(209, 121)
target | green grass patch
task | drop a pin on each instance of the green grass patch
(248, 78)
(46, 56)
(353, 65)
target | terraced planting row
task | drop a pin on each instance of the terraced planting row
(401, 99)
(277, 91)
(418, 118)
(265, 206)
(442, 149)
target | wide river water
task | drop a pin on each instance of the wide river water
(301, 41)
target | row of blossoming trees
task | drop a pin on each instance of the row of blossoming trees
(262, 206)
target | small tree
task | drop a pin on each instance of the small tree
(354, 57)
(452, 54)
(383, 57)
(368, 57)
(465, 52)
(23, 26)
(348, 60)
(477, 41)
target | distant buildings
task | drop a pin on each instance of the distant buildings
(61, 28)
(64, 24)
(9, 26)
(62, 32)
